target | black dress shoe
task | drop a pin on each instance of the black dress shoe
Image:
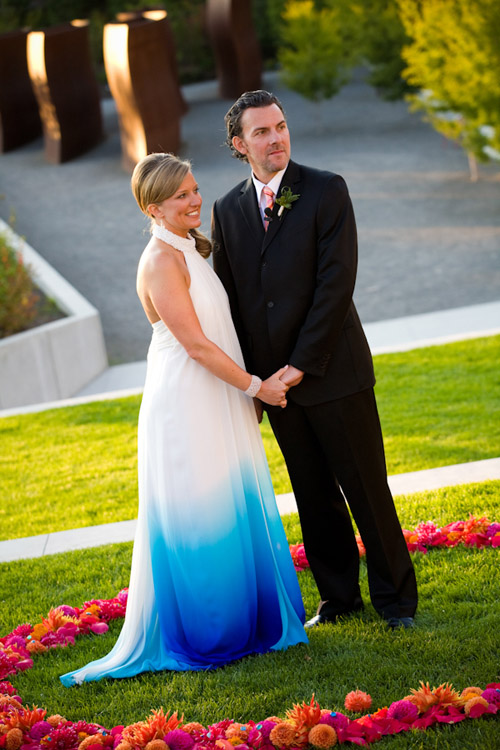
(394, 623)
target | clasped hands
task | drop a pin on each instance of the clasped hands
(274, 388)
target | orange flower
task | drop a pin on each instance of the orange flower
(123, 746)
(35, 647)
(305, 714)
(154, 728)
(469, 692)
(24, 718)
(425, 697)
(14, 739)
(282, 735)
(224, 744)
(157, 745)
(193, 726)
(475, 525)
(474, 701)
(55, 720)
(323, 736)
(38, 631)
(238, 731)
(8, 700)
(447, 696)
(91, 739)
(92, 609)
(56, 619)
(357, 701)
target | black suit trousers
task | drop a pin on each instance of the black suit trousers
(334, 453)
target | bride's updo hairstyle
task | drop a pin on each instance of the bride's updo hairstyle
(157, 177)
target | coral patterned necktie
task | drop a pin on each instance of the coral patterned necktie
(269, 197)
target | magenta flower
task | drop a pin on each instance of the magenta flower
(177, 739)
(335, 719)
(23, 630)
(39, 730)
(403, 710)
(62, 738)
(492, 695)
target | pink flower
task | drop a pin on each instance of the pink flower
(495, 540)
(299, 556)
(177, 739)
(7, 688)
(426, 532)
(123, 596)
(492, 695)
(99, 627)
(69, 611)
(23, 630)
(335, 719)
(62, 738)
(403, 710)
(39, 730)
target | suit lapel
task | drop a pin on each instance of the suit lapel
(291, 179)
(251, 212)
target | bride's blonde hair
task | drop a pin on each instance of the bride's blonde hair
(157, 177)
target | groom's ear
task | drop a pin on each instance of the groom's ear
(239, 145)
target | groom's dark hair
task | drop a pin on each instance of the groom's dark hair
(232, 118)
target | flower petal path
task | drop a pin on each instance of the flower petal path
(306, 725)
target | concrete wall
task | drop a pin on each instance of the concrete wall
(55, 360)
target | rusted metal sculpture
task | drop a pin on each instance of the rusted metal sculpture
(66, 89)
(159, 14)
(19, 118)
(144, 84)
(236, 48)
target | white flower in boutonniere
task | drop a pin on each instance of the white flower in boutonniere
(286, 199)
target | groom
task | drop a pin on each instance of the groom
(288, 262)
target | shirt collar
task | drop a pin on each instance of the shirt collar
(274, 183)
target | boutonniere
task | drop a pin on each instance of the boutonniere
(286, 199)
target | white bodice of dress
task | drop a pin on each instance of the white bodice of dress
(184, 244)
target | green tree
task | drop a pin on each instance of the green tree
(453, 59)
(383, 39)
(320, 45)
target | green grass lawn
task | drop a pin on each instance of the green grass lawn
(77, 466)
(456, 639)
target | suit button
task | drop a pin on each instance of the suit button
(264, 264)
(270, 304)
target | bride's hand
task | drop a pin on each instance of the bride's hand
(273, 390)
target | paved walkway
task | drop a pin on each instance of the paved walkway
(429, 238)
(124, 531)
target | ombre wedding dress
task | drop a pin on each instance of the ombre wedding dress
(212, 579)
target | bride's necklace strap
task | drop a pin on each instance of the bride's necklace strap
(184, 244)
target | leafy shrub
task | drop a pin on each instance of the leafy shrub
(320, 46)
(453, 58)
(18, 296)
(382, 42)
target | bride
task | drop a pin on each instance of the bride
(212, 579)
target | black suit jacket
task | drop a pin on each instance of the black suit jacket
(291, 288)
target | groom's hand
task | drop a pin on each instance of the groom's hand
(292, 376)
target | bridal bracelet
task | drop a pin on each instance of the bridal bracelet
(254, 386)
